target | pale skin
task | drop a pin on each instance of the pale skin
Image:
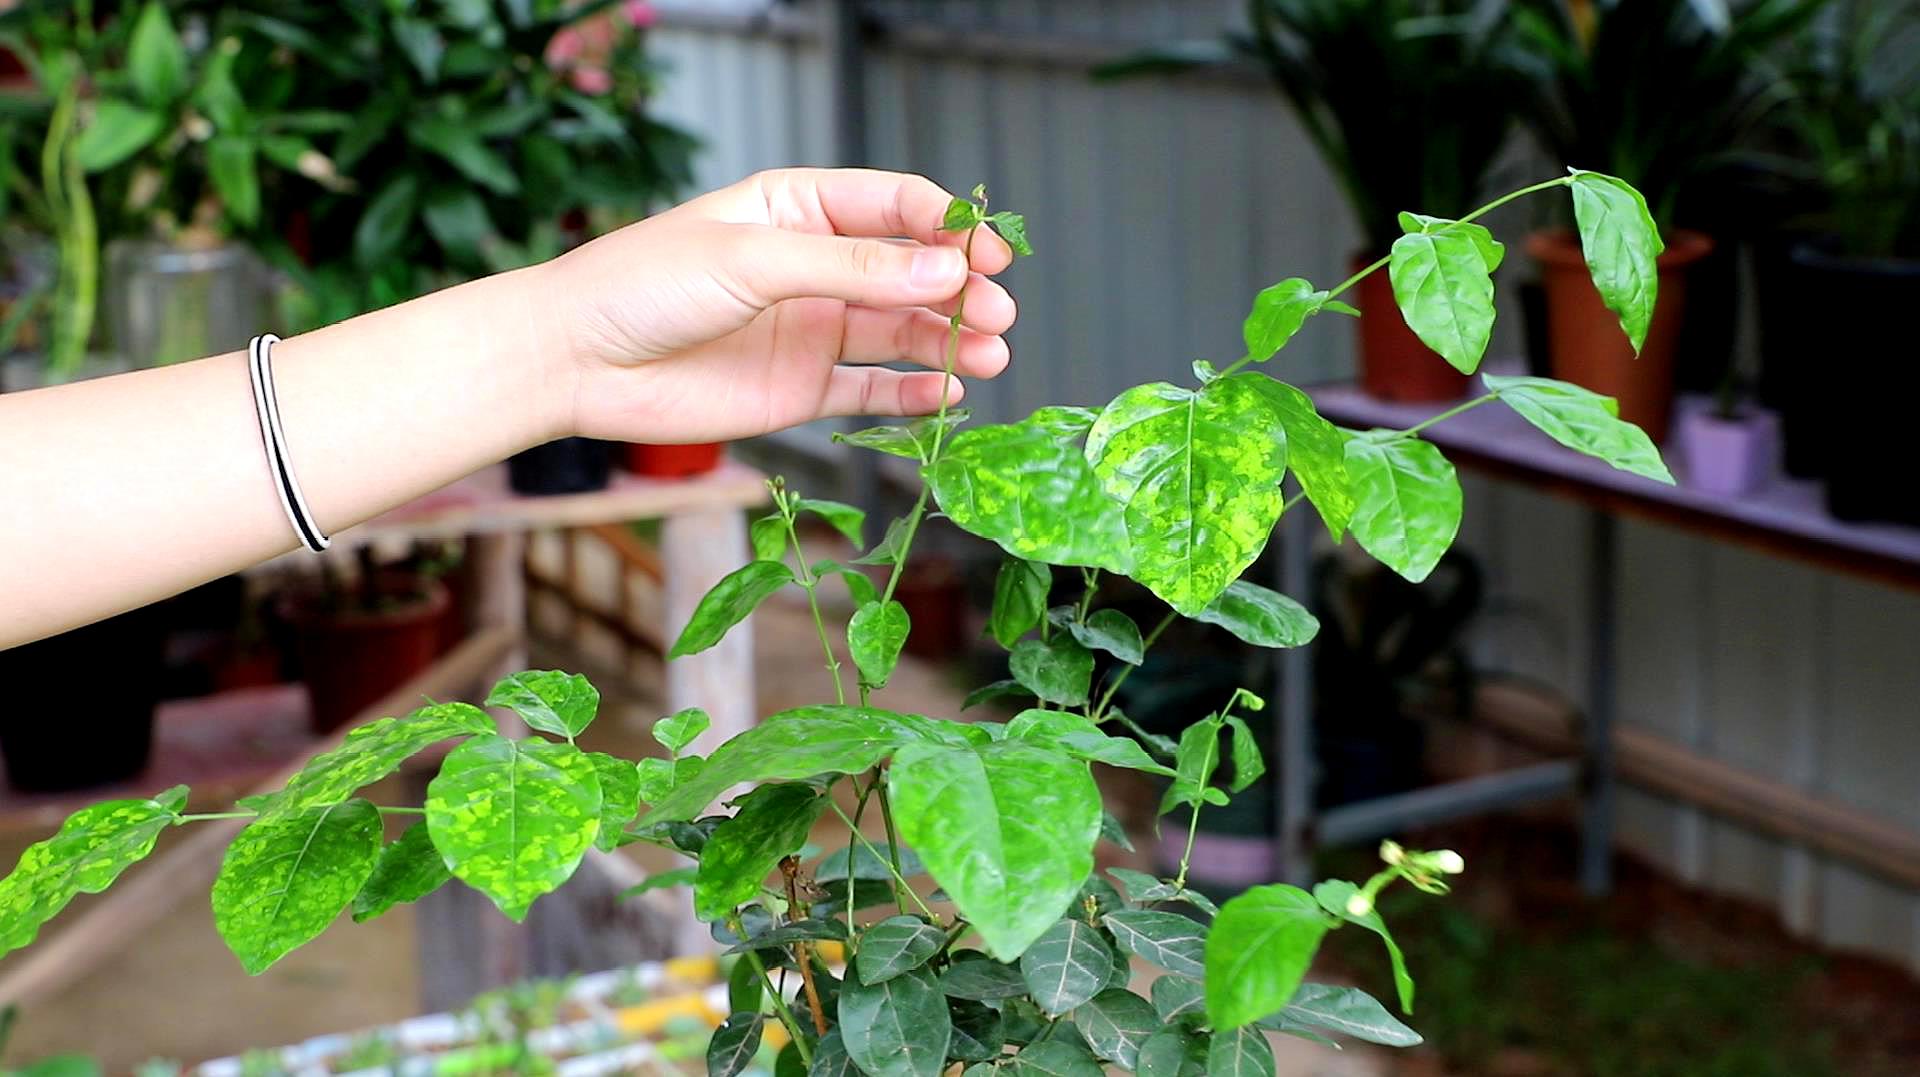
(756, 307)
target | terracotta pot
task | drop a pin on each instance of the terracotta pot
(352, 657)
(1394, 365)
(674, 461)
(1587, 344)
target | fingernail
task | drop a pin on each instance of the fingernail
(933, 266)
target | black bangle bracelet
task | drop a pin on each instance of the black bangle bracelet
(274, 439)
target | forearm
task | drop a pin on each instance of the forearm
(121, 491)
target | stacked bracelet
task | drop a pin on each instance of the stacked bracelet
(267, 406)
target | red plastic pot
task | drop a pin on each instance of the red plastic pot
(352, 657)
(1394, 364)
(674, 461)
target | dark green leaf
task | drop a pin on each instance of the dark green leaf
(1111, 830)
(843, 517)
(734, 1044)
(746, 992)
(1013, 228)
(1199, 476)
(974, 975)
(1169, 940)
(979, 1033)
(875, 636)
(1077, 736)
(1115, 1024)
(1409, 502)
(461, 147)
(1349, 1011)
(1067, 965)
(1278, 313)
(961, 216)
(235, 175)
(896, 1028)
(1333, 896)
(867, 864)
(896, 945)
(773, 821)
(1055, 1058)
(1017, 856)
(1243, 1052)
(830, 1058)
(619, 797)
(1019, 599)
(1584, 421)
(1622, 248)
(1248, 765)
(387, 220)
(1105, 630)
(457, 219)
(408, 870)
(788, 1062)
(1058, 670)
(514, 818)
(1261, 617)
(1257, 952)
(93, 846)
(787, 934)
(1008, 689)
(1174, 1051)
(1445, 290)
(788, 746)
(729, 603)
(421, 43)
(679, 729)
(860, 587)
(768, 537)
(551, 701)
(288, 875)
(156, 60)
(1176, 996)
(1316, 453)
(1193, 763)
(1142, 887)
(375, 750)
(117, 131)
(891, 547)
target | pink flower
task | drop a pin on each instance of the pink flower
(565, 48)
(640, 14)
(590, 79)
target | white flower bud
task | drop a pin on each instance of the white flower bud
(1391, 852)
(1449, 862)
(1359, 905)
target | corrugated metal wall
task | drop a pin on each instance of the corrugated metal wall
(1159, 207)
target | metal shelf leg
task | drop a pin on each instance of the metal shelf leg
(1596, 837)
(1293, 802)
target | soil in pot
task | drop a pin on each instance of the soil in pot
(49, 746)
(1587, 343)
(1394, 365)
(566, 466)
(674, 461)
(352, 651)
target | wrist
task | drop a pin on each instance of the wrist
(539, 369)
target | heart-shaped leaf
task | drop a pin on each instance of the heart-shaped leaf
(551, 701)
(1258, 950)
(1019, 599)
(896, 945)
(408, 870)
(681, 728)
(288, 875)
(514, 818)
(1409, 502)
(875, 636)
(1445, 291)
(898, 1027)
(1067, 965)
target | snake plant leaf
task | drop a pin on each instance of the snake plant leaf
(1058, 670)
(1409, 501)
(1199, 475)
(772, 823)
(1278, 313)
(894, 946)
(1115, 1023)
(1015, 859)
(90, 850)
(1583, 421)
(1019, 599)
(1333, 896)
(789, 746)
(1106, 630)
(551, 701)
(898, 1027)
(288, 875)
(1174, 1051)
(1056, 1058)
(1346, 1010)
(1243, 1052)
(1027, 487)
(514, 818)
(1444, 287)
(1316, 453)
(373, 751)
(1174, 942)
(679, 729)
(1258, 950)
(1622, 249)
(409, 869)
(619, 797)
(1067, 965)
(875, 635)
(1260, 616)
(734, 1043)
(730, 602)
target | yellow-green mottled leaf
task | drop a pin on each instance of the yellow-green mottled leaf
(1058, 670)
(408, 870)
(788, 746)
(772, 822)
(913, 441)
(679, 729)
(1027, 487)
(1316, 453)
(619, 797)
(90, 850)
(1199, 474)
(551, 701)
(1278, 313)
(875, 635)
(288, 875)
(374, 751)
(513, 818)
(1409, 501)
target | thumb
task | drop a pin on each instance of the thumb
(770, 265)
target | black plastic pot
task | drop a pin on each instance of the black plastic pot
(567, 466)
(78, 711)
(1794, 342)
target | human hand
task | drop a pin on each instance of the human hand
(764, 305)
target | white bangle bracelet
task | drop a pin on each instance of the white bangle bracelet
(267, 407)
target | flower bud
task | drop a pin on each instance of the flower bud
(1391, 852)
(1359, 905)
(1449, 862)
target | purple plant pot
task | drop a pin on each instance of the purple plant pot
(1728, 457)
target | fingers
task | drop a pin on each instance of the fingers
(868, 202)
(919, 336)
(990, 307)
(763, 266)
(867, 390)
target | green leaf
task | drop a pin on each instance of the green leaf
(156, 60)
(1492, 251)
(514, 818)
(961, 216)
(729, 603)
(1244, 749)
(619, 797)
(1261, 617)
(421, 43)
(859, 586)
(1019, 599)
(1015, 858)
(1176, 996)
(844, 518)
(1316, 452)
(1115, 1024)
(90, 850)
(1139, 885)
(768, 537)
(288, 875)
(1199, 474)
(1333, 896)
(1067, 965)
(387, 221)
(1029, 488)
(1409, 502)
(1111, 830)
(1583, 421)
(891, 548)
(866, 864)
(1278, 313)
(979, 1032)
(788, 746)
(974, 975)
(551, 701)
(1055, 1058)
(1257, 952)
(1193, 763)
(789, 933)
(896, 945)
(1348, 1011)
(746, 993)
(408, 870)
(457, 219)
(1622, 249)
(987, 693)
(117, 131)
(231, 167)
(1104, 630)
(661, 880)
(874, 636)
(1445, 289)
(1168, 939)
(1077, 736)
(734, 1044)
(1174, 1051)
(1057, 670)
(898, 1027)
(462, 147)
(1243, 1052)
(772, 822)
(373, 751)
(913, 441)
(679, 729)
(1013, 228)
(830, 1058)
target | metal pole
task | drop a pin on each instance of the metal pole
(1596, 840)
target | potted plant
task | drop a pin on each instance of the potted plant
(359, 638)
(1024, 955)
(1610, 77)
(1728, 444)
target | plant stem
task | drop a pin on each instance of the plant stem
(1121, 678)
(811, 584)
(207, 817)
(899, 879)
(1193, 828)
(794, 1031)
(893, 852)
(1416, 428)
